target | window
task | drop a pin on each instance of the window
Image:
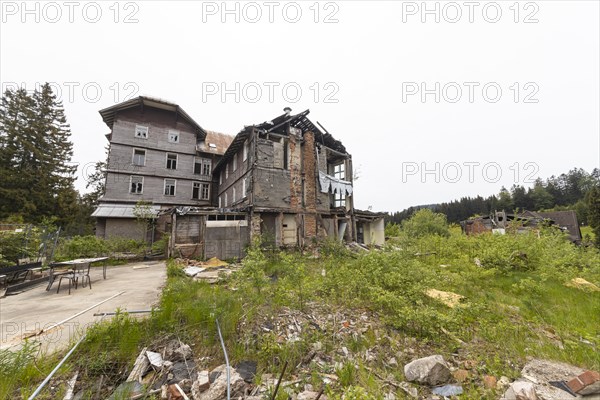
(200, 191)
(202, 166)
(339, 199)
(244, 192)
(226, 171)
(141, 132)
(233, 196)
(245, 150)
(170, 187)
(225, 204)
(171, 161)
(234, 163)
(219, 201)
(173, 137)
(139, 157)
(339, 172)
(221, 178)
(136, 184)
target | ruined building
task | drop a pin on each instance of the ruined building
(286, 179)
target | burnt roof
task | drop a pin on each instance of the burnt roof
(109, 114)
(279, 125)
(565, 219)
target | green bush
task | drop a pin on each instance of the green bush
(425, 222)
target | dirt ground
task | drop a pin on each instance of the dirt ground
(37, 309)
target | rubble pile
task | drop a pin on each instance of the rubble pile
(211, 271)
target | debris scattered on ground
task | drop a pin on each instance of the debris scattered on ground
(580, 283)
(432, 370)
(447, 390)
(448, 298)
(585, 383)
(210, 271)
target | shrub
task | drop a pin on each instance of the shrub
(425, 222)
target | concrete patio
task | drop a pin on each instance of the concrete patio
(36, 309)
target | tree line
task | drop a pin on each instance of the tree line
(576, 190)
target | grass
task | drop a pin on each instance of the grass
(516, 305)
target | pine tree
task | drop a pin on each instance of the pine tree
(35, 153)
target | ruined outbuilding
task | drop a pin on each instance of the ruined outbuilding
(499, 221)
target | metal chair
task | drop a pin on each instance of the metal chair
(79, 271)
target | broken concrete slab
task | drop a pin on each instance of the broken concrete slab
(521, 390)
(218, 388)
(193, 271)
(432, 370)
(201, 384)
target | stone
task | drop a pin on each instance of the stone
(490, 382)
(308, 395)
(392, 362)
(431, 370)
(502, 383)
(521, 390)
(177, 351)
(461, 375)
(247, 369)
(218, 388)
(201, 384)
(586, 383)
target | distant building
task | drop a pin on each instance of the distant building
(524, 221)
(286, 179)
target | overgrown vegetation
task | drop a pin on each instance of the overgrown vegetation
(515, 305)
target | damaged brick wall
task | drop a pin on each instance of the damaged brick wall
(310, 185)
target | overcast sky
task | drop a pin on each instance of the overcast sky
(434, 101)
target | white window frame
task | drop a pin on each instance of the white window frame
(174, 187)
(173, 132)
(245, 151)
(221, 178)
(133, 157)
(203, 163)
(167, 161)
(244, 188)
(199, 189)
(205, 185)
(226, 171)
(130, 182)
(138, 132)
(233, 196)
(234, 163)
(225, 205)
(220, 202)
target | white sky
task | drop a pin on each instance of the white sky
(369, 61)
